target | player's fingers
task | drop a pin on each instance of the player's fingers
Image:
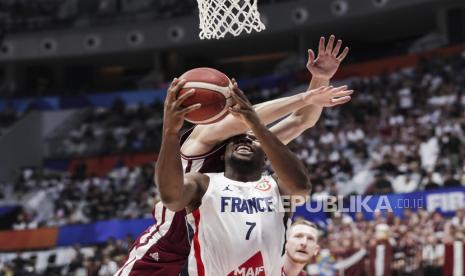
(319, 90)
(329, 47)
(337, 48)
(327, 88)
(169, 92)
(321, 46)
(311, 57)
(234, 111)
(174, 82)
(239, 101)
(341, 100)
(339, 88)
(343, 54)
(175, 89)
(343, 93)
(190, 108)
(184, 96)
(239, 93)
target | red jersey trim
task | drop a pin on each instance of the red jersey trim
(198, 257)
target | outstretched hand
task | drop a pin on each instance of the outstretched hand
(243, 109)
(174, 112)
(327, 62)
(328, 96)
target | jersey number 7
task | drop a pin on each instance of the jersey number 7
(251, 227)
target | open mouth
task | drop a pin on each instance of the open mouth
(243, 149)
(302, 251)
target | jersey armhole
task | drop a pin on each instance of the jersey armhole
(287, 215)
(207, 193)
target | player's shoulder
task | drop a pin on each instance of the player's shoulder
(193, 148)
(274, 178)
(197, 177)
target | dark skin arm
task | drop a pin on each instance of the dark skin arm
(292, 174)
(176, 189)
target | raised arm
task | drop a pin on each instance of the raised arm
(308, 107)
(177, 190)
(295, 124)
(322, 69)
(292, 174)
(204, 137)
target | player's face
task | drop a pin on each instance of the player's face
(245, 147)
(302, 244)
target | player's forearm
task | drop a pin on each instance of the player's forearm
(310, 114)
(289, 169)
(268, 112)
(271, 111)
(288, 129)
(304, 118)
(317, 83)
(169, 175)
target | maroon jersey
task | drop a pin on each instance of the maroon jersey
(209, 162)
(163, 249)
(380, 258)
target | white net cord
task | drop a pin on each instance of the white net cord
(219, 17)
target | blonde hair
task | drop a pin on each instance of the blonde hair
(301, 221)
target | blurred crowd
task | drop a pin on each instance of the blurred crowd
(126, 129)
(100, 260)
(120, 129)
(415, 244)
(402, 132)
(57, 199)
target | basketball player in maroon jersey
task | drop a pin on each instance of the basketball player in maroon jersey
(163, 248)
(301, 247)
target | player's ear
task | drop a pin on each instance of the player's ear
(317, 250)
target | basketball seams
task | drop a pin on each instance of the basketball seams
(214, 93)
(217, 117)
(224, 90)
(207, 75)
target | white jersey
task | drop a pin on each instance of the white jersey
(237, 229)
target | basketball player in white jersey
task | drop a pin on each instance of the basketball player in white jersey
(238, 228)
(301, 247)
(163, 248)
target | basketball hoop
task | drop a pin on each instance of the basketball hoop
(219, 17)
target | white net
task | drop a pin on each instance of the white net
(219, 17)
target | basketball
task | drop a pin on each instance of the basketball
(211, 90)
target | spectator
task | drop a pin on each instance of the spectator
(109, 267)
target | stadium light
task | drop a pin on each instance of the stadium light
(339, 7)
